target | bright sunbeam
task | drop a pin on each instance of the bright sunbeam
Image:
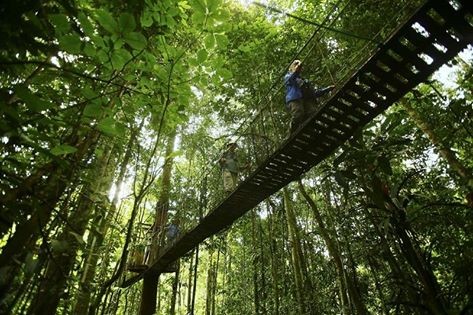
(244, 3)
(247, 3)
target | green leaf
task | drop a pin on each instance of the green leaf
(198, 6)
(173, 11)
(78, 237)
(87, 27)
(70, 43)
(118, 61)
(213, 5)
(171, 22)
(107, 21)
(98, 41)
(98, 152)
(127, 22)
(89, 93)
(198, 18)
(225, 73)
(60, 22)
(89, 50)
(135, 40)
(107, 126)
(146, 19)
(204, 80)
(202, 55)
(222, 40)
(175, 154)
(183, 5)
(244, 48)
(209, 41)
(118, 44)
(193, 62)
(63, 149)
(93, 110)
(103, 56)
(218, 62)
(33, 102)
(120, 129)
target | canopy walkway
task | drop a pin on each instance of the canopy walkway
(432, 36)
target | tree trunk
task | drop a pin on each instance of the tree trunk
(148, 299)
(90, 265)
(256, 259)
(411, 251)
(412, 254)
(456, 166)
(53, 285)
(8, 283)
(333, 251)
(189, 285)
(210, 283)
(194, 287)
(148, 295)
(123, 258)
(274, 261)
(47, 197)
(175, 285)
(296, 251)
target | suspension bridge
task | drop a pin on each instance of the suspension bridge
(434, 34)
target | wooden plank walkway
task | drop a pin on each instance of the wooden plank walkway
(435, 34)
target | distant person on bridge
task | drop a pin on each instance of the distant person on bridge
(230, 167)
(172, 231)
(300, 95)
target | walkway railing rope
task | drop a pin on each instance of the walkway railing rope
(433, 35)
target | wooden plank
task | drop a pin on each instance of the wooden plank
(357, 108)
(359, 101)
(454, 18)
(411, 58)
(316, 123)
(378, 88)
(396, 66)
(388, 77)
(438, 32)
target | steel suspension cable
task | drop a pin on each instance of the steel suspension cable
(321, 25)
(277, 82)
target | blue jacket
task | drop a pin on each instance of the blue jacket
(294, 90)
(293, 83)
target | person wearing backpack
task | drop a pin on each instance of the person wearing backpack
(300, 95)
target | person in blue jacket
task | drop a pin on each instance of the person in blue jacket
(300, 95)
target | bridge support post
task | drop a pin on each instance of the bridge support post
(149, 293)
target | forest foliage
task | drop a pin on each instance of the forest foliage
(113, 116)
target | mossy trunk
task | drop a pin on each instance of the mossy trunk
(296, 251)
(148, 298)
(63, 255)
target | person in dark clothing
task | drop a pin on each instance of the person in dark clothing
(300, 95)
